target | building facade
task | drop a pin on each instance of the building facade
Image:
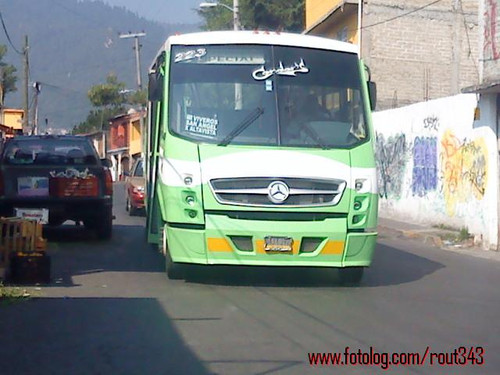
(417, 50)
(11, 121)
(124, 141)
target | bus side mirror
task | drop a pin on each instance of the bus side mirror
(372, 92)
(152, 87)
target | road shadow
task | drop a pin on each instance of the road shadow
(128, 251)
(93, 336)
(391, 266)
(76, 253)
(68, 233)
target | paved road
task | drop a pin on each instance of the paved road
(111, 310)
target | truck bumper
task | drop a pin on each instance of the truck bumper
(228, 241)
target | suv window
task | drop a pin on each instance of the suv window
(49, 151)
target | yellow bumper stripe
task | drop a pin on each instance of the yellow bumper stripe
(333, 248)
(220, 245)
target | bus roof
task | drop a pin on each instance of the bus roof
(258, 37)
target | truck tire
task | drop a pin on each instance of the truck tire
(175, 271)
(132, 211)
(102, 224)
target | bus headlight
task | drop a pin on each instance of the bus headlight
(362, 185)
(190, 200)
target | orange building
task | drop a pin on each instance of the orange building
(336, 19)
(11, 121)
(124, 141)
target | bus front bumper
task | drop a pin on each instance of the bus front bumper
(228, 241)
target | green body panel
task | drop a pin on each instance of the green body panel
(187, 245)
(191, 246)
(360, 248)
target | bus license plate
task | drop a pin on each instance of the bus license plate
(278, 244)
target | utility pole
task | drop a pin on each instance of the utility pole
(236, 15)
(26, 88)
(34, 126)
(137, 47)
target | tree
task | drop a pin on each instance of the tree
(95, 119)
(109, 99)
(109, 94)
(7, 76)
(285, 15)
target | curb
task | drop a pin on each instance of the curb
(435, 237)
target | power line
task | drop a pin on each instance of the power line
(401, 15)
(8, 36)
(468, 39)
(61, 88)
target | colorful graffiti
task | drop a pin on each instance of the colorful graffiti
(490, 47)
(391, 156)
(424, 174)
(464, 170)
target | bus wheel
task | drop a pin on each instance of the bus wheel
(174, 270)
(351, 275)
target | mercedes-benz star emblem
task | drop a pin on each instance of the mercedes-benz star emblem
(278, 192)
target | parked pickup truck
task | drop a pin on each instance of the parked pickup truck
(55, 179)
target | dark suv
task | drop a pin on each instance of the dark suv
(54, 179)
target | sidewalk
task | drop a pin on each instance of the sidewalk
(444, 238)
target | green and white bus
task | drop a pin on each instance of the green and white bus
(260, 151)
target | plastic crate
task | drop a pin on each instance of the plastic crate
(18, 236)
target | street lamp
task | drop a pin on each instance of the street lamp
(234, 9)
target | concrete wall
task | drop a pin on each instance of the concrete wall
(490, 39)
(436, 165)
(428, 54)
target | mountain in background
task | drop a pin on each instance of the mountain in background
(74, 45)
(166, 11)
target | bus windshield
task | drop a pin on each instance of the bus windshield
(266, 95)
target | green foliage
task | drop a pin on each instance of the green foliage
(257, 14)
(138, 98)
(108, 94)
(464, 234)
(7, 75)
(97, 120)
(9, 295)
(279, 14)
(109, 99)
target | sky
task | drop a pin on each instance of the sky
(167, 11)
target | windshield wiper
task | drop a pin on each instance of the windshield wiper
(314, 136)
(254, 115)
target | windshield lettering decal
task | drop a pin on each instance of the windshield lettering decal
(190, 55)
(291, 71)
(204, 126)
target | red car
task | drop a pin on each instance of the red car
(134, 187)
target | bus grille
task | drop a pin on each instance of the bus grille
(255, 191)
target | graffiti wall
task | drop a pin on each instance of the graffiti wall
(436, 165)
